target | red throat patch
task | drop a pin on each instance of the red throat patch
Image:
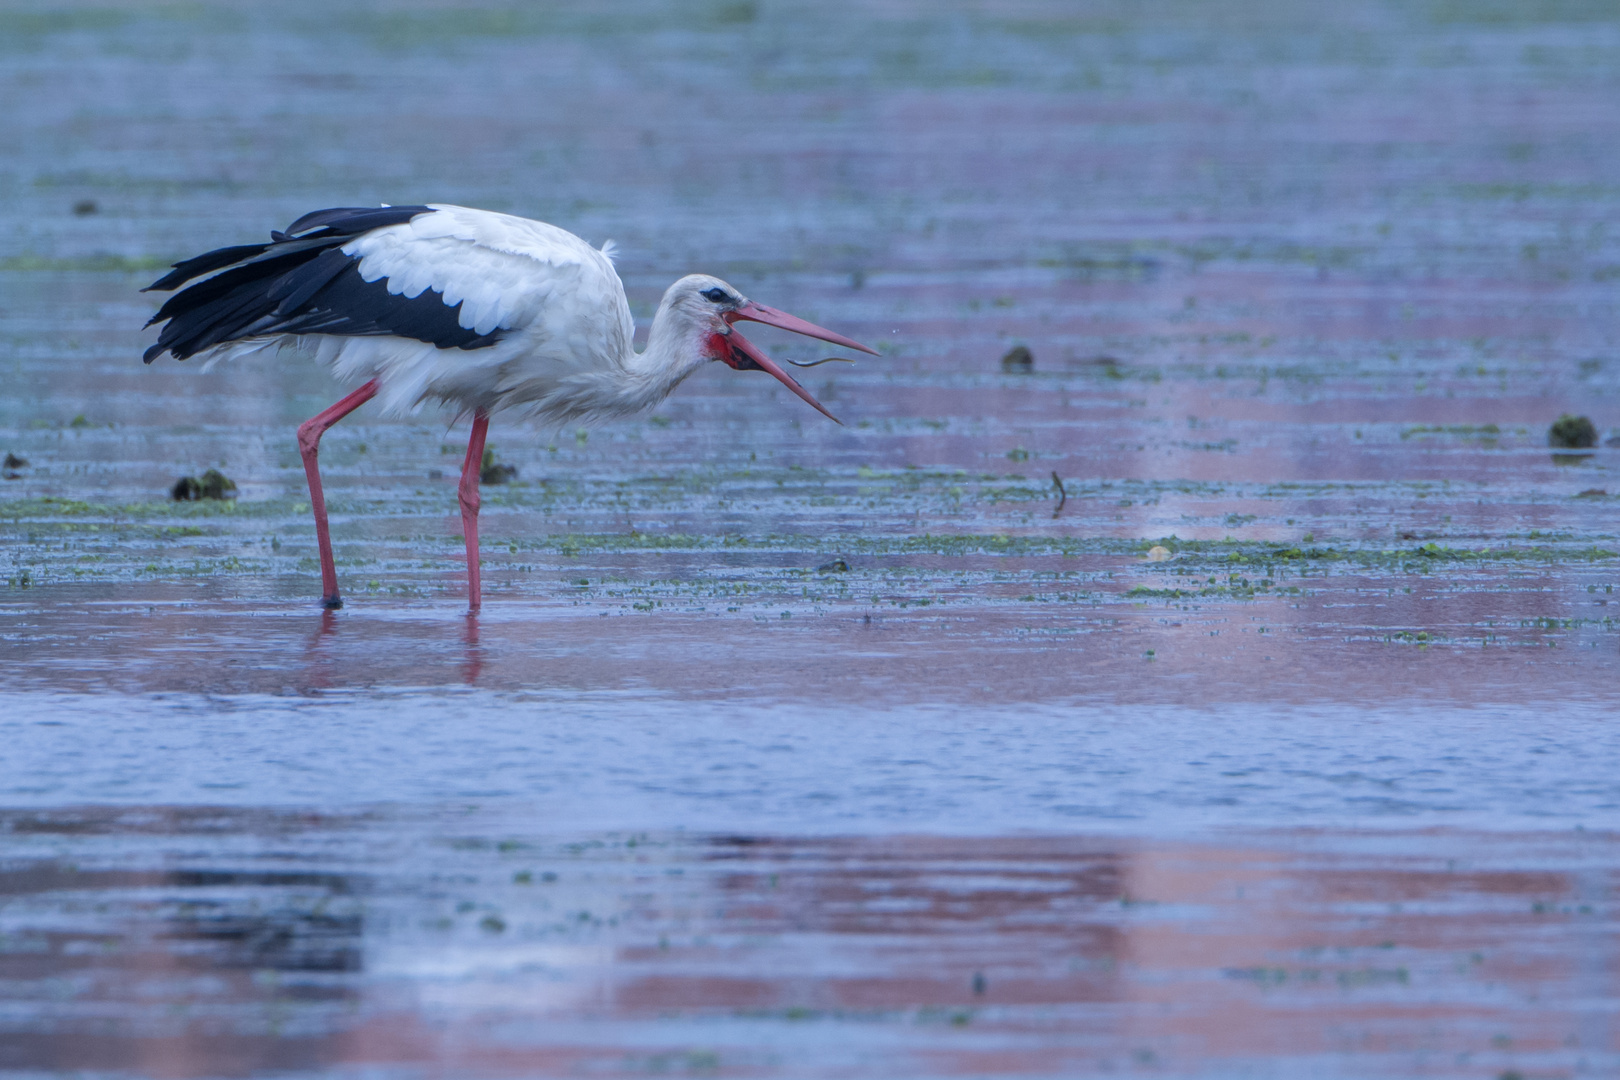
(720, 348)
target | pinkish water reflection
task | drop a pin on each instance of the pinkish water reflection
(1099, 629)
(925, 777)
(402, 945)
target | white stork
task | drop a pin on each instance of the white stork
(469, 308)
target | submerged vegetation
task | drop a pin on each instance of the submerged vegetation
(813, 541)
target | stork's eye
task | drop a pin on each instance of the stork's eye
(715, 295)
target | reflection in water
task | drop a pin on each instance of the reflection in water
(327, 664)
(1451, 632)
(319, 667)
(166, 970)
(473, 664)
(1332, 320)
(233, 931)
(205, 942)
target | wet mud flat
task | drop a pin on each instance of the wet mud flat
(1230, 693)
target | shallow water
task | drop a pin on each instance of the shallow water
(783, 748)
(470, 943)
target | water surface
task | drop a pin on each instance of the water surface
(785, 748)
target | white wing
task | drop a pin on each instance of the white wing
(537, 281)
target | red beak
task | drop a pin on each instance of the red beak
(743, 354)
(772, 317)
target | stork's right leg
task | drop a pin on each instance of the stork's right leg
(471, 475)
(309, 445)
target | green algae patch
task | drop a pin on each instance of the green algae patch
(91, 264)
(1463, 431)
(575, 545)
(47, 507)
(1143, 592)
(1249, 553)
(52, 508)
(1233, 552)
(1538, 553)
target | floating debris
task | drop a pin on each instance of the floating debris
(1571, 432)
(1159, 553)
(13, 466)
(491, 473)
(1018, 361)
(837, 566)
(212, 484)
(1593, 493)
(1063, 495)
(85, 207)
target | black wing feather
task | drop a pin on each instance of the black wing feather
(202, 264)
(266, 267)
(354, 220)
(354, 307)
(296, 286)
(302, 285)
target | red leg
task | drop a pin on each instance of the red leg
(468, 491)
(309, 445)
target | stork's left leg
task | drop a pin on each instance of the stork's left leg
(309, 448)
(468, 492)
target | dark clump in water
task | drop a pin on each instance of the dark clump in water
(85, 207)
(1018, 361)
(12, 465)
(1570, 432)
(837, 566)
(492, 473)
(212, 484)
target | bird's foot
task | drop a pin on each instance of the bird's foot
(332, 603)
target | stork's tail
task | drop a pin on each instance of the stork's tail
(263, 288)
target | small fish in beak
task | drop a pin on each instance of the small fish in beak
(743, 355)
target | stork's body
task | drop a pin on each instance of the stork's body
(472, 309)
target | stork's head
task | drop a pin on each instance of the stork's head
(712, 307)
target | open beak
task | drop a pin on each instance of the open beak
(744, 355)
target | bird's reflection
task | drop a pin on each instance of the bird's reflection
(365, 653)
(472, 664)
(317, 655)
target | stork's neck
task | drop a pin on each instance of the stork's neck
(677, 345)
